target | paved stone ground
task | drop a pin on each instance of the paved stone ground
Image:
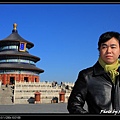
(34, 108)
(22, 111)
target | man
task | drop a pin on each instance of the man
(99, 85)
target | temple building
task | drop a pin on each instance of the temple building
(20, 78)
(16, 63)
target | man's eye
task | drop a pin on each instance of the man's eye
(113, 47)
(104, 47)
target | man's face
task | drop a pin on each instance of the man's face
(110, 51)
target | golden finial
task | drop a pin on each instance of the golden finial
(14, 26)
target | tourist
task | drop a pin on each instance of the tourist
(98, 86)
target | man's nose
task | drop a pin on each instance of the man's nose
(109, 49)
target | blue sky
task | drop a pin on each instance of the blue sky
(65, 36)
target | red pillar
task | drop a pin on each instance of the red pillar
(4, 79)
(19, 77)
(37, 97)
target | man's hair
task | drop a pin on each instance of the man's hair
(107, 36)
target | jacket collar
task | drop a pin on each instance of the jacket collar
(98, 69)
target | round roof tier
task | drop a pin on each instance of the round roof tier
(15, 54)
(15, 66)
(15, 37)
